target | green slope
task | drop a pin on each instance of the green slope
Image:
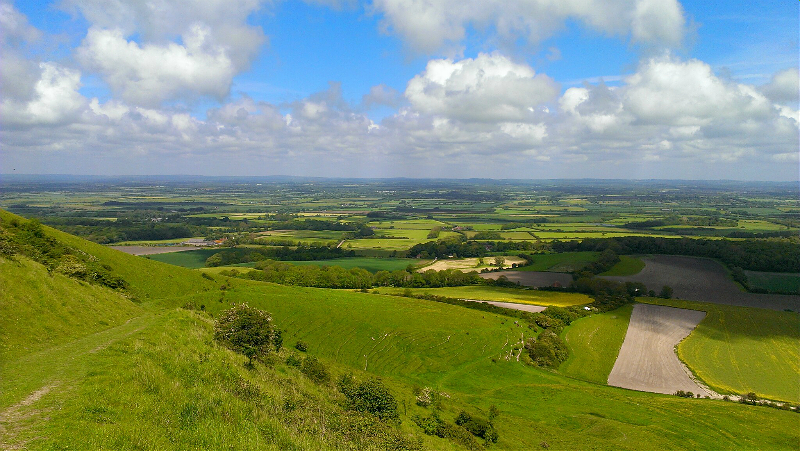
(158, 381)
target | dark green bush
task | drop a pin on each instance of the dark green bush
(548, 349)
(246, 330)
(370, 396)
(315, 370)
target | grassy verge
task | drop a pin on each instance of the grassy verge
(594, 343)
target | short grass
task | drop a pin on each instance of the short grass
(627, 266)
(563, 262)
(740, 350)
(594, 343)
(370, 264)
(488, 293)
(774, 282)
(39, 310)
(187, 259)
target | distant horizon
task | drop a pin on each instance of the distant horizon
(334, 178)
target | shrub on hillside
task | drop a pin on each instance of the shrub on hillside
(246, 330)
(548, 349)
(370, 396)
(315, 370)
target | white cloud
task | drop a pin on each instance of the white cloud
(205, 42)
(429, 26)
(55, 99)
(381, 95)
(784, 87)
(139, 73)
(671, 92)
(488, 88)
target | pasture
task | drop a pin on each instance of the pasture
(737, 350)
(188, 259)
(627, 266)
(471, 264)
(594, 342)
(774, 282)
(563, 262)
(368, 263)
(502, 294)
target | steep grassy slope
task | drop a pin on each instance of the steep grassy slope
(158, 381)
(40, 309)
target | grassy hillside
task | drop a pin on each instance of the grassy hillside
(594, 343)
(739, 350)
(40, 309)
(159, 381)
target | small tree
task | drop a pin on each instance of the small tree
(499, 261)
(246, 330)
(666, 292)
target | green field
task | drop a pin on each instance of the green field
(370, 264)
(594, 343)
(740, 350)
(188, 259)
(564, 262)
(153, 378)
(488, 293)
(627, 266)
(774, 282)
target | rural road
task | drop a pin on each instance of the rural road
(647, 360)
(704, 280)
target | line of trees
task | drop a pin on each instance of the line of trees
(354, 278)
(776, 255)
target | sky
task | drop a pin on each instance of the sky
(521, 89)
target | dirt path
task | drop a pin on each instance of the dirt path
(11, 417)
(704, 280)
(513, 306)
(647, 360)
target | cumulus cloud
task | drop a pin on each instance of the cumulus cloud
(429, 26)
(55, 99)
(18, 74)
(489, 88)
(671, 92)
(139, 73)
(205, 42)
(784, 88)
(673, 109)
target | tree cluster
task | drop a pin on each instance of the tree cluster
(777, 255)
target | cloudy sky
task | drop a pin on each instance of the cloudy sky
(699, 89)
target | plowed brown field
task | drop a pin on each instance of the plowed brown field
(647, 360)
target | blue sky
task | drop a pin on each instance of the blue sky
(468, 88)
